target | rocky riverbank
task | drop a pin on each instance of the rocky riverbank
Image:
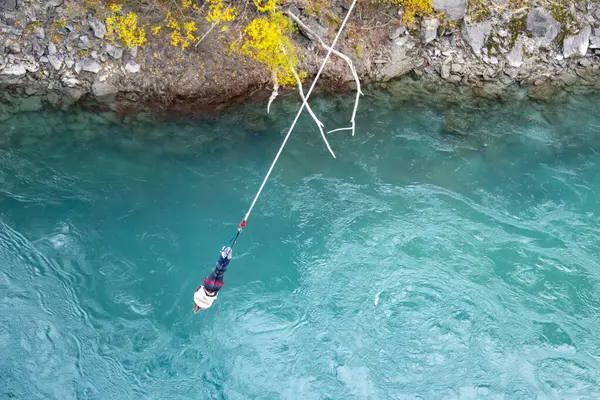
(55, 54)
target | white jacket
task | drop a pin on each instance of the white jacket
(202, 300)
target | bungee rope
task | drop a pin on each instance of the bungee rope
(242, 224)
(203, 299)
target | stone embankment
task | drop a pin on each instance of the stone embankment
(55, 55)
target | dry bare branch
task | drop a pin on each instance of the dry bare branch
(344, 57)
(275, 90)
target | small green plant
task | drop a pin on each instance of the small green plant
(516, 27)
(479, 10)
(83, 53)
(60, 23)
(492, 46)
(561, 12)
(315, 7)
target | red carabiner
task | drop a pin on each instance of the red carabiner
(243, 223)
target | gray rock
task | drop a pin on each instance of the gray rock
(84, 42)
(134, 50)
(114, 51)
(90, 66)
(101, 89)
(14, 70)
(399, 63)
(401, 42)
(31, 90)
(456, 68)
(577, 45)
(445, 71)
(476, 34)
(511, 72)
(94, 54)
(585, 62)
(13, 46)
(69, 62)
(98, 27)
(37, 49)
(455, 9)
(52, 49)
(595, 42)
(53, 99)
(542, 26)
(515, 57)
(32, 66)
(31, 104)
(75, 94)
(567, 78)
(73, 36)
(44, 59)
(399, 31)
(55, 61)
(55, 3)
(132, 67)
(39, 32)
(9, 5)
(70, 82)
(429, 28)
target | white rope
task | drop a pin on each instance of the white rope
(304, 102)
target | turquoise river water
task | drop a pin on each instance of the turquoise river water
(417, 265)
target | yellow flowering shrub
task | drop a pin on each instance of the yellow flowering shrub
(124, 27)
(412, 8)
(266, 40)
(183, 34)
(217, 12)
(266, 5)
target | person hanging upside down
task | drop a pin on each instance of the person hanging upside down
(206, 293)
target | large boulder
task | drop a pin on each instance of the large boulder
(542, 26)
(400, 62)
(98, 27)
(114, 51)
(101, 89)
(15, 70)
(9, 5)
(30, 104)
(429, 29)
(455, 9)
(595, 42)
(88, 66)
(515, 56)
(55, 61)
(577, 45)
(476, 34)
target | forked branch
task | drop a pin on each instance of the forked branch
(344, 57)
